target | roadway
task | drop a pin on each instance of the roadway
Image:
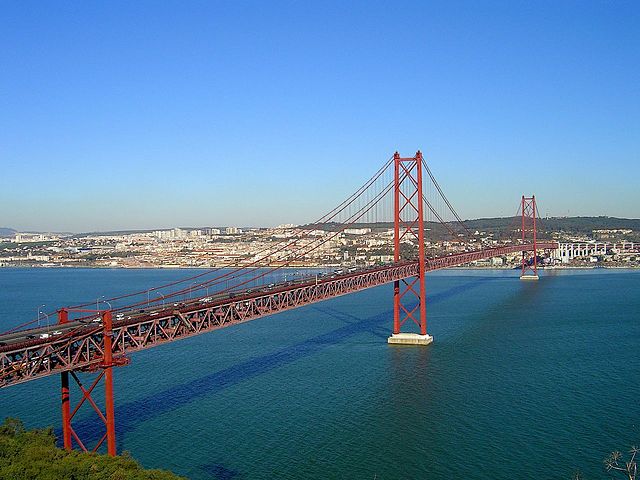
(122, 317)
(79, 344)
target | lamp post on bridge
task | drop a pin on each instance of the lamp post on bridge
(43, 313)
(39, 313)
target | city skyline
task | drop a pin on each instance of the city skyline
(147, 116)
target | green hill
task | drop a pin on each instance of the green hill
(505, 227)
(26, 455)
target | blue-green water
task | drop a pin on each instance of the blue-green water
(524, 379)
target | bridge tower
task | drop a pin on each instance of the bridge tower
(69, 435)
(529, 232)
(409, 226)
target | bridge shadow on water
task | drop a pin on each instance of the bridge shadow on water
(130, 415)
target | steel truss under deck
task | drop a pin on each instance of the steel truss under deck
(84, 348)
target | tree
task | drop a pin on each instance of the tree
(32, 454)
(616, 463)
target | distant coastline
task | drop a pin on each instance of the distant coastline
(315, 267)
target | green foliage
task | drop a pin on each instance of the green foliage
(32, 454)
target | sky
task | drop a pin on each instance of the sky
(146, 114)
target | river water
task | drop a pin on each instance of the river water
(523, 380)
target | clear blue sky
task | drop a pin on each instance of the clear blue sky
(156, 114)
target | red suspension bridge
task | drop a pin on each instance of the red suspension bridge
(87, 339)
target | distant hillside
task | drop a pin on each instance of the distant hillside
(558, 224)
(109, 233)
(497, 225)
(587, 224)
(503, 227)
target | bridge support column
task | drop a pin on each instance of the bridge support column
(63, 317)
(409, 225)
(529, 213)
(108, 384)
(66, 412)
(69, 435)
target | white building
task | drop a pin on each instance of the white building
(29, 237)
(357, 231)
(568, 251)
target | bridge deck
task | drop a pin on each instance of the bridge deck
(79, 346)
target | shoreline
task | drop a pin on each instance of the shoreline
(172, 267)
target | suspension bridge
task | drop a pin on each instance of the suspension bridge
(88, 339)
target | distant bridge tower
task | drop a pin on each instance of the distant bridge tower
(409, 225)
(529, 232)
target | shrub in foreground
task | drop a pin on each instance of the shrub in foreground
(32, 454)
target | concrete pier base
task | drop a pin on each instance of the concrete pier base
(529, 277)
(409, 339)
